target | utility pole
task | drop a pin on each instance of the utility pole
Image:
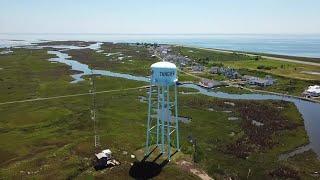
(93, 112)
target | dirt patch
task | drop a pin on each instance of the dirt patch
(260, 122)
(188, 166)
(66, 43)
(53, 142)
(258, 137)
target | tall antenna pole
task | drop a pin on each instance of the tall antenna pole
(93, 112)
(149, 119)
(163, 75)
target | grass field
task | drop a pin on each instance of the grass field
(53, 139)
(292, 78)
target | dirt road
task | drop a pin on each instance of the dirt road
(70, 95)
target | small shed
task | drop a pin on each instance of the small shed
(198, 68)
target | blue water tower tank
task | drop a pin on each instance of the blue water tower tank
(163, 74)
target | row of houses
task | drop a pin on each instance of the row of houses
(178, 60)
(207, 83)
(165, 52)
(312, 91)
(8, 51)
(197, 68)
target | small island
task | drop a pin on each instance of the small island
(47, 130)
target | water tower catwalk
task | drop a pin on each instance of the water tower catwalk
(162, 125)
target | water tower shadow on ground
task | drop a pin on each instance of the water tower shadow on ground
(162, 124)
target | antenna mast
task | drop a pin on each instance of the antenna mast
(93, 112)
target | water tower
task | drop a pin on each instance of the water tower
(162, 125)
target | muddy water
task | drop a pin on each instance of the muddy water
(75, 65)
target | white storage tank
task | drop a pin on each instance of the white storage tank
(163, 74)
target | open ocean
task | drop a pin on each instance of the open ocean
(292, 45)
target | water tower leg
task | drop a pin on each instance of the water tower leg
(162, 119)
(176, 116)
(148, 123)
(168, 118)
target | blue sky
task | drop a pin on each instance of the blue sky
(160, 16)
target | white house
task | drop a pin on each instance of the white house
(268, 81)
(313, 91)
(6, 52)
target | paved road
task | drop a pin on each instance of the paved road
(266, 57)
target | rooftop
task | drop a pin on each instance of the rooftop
(315, 89)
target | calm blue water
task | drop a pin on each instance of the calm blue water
(294, 45)
(309, 110)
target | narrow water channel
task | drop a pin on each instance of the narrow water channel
(310, 111)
